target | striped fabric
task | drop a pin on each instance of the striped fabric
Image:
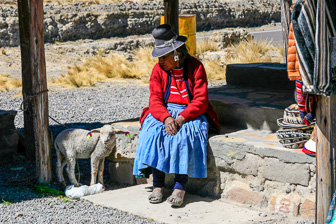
(301, 99)
(305, 104)
(178, 90)
(314, 23)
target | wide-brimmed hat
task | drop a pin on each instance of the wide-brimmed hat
(292, 118)
(166, 40)
(294, 138)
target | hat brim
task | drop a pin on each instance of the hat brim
(158, 52)
(310, 145)
(284, 124)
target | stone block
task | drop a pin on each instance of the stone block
(125, 147)
(246, 197)
(122, 172)
(273, 169)
(8, 135)
(283, 204)
(307, 209)
(247, 166)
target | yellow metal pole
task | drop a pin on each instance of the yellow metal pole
(187, 27)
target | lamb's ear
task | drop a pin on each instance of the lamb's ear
(119, 132)
(96, 130)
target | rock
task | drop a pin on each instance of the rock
(283, 205)
(245, 197)
(307, 209)
(229, 37)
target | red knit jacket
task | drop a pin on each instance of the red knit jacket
(197, 80)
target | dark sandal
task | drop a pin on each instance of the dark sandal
(175, 200)
(157, 195)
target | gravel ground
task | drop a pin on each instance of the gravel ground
(85, 108)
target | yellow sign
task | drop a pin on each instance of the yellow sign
(187, 27)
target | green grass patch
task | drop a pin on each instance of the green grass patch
(6, 202)
(43, 190)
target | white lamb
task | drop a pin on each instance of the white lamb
(74, 143)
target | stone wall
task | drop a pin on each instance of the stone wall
(80, 21)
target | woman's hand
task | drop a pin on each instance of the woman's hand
(171, 126)
(180, 121)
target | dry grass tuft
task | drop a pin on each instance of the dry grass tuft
(3, 51)
(100, 68)
(144, 62)
(205, 45)
(215, 71)
(244, 52)
(252, 52)
(7, 83)
(97, 69)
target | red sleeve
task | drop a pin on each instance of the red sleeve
(156, 102)
(199, 104)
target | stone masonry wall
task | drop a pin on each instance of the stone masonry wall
(275, 179)
(80, 21)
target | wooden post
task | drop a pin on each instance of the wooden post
(325, 155)
(171, 14)
(34, 87)
(285, 21)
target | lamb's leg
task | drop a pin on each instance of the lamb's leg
(101, 171)
(71, 163)
(60, 165)
(94, 168)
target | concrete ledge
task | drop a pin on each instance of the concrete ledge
(272, 76)
(247, 166)
(250, 107)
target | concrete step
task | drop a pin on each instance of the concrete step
(271, 76)
(250, 108)
(196, 209)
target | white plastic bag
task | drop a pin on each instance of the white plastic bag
(78, 192)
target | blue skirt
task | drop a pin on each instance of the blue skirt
(183, 153)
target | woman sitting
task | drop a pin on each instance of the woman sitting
(174, 128)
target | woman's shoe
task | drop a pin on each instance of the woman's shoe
(157, 195)
(175, 200)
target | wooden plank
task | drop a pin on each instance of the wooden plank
(285, 21)
(171, 14)
(34, 87)
(325, 156)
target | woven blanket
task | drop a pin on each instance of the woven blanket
(314, 25)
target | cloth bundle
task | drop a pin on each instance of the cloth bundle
(306, 104)
(314, 25)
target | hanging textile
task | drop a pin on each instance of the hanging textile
(314, 23)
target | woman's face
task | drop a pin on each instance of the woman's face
(167, 61)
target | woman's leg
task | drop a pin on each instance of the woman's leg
(158, 178)
(158, 184)
(181, 181)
